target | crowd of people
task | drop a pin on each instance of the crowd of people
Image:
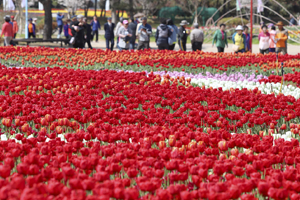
(136, 34)
(270, 39)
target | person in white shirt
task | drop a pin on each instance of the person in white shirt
(118, 26)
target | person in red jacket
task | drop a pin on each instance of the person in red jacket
(15, 26)
(7, 31)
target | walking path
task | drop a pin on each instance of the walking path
(292, 49)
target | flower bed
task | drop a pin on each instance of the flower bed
(111, 134)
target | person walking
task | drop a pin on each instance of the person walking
(109, 34)
(132, 28)
(144, 33)
(197, 38)
(15, 26)
(119, 25)
(87, 33)
(272, 45)
(281, 38)
(163, 32)
(293, 21)
(248, 38)
(264, 39)
(239, 40)
(66, 29)
(31, 29)
(182, 35)
(7, 31)
(59, 21)
(124, 36)
(95, 27)
(220, 38)
(173, 38)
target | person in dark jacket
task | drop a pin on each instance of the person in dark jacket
(66, 29)
(78, 33)
(109, 34)
(163, 32)
(132, 28)
(87, 33)
(95, 27)
(182, 35)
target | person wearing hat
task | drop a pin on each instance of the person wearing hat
(118, 26)
(124, 36)
(163, 32)
(239, 40)
(144, 32)
(264, 40)
(173, 38)
(109, 34)
(59, 21)
(15, 26)
(31, 29)
(7, 31)
(182, 35)
(197, 38)
(220, 38)
(272, 45)
(281, 38)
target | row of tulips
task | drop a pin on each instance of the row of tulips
(191, 62)
(293, 78)
(85, 135)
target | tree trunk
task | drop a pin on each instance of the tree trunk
(114, 15)
(102, 11)
(48, 19)
(131, 8)
(95, 7)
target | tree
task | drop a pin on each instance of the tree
(48, 18)
(191, 6)
(72, 6)
(150, 6)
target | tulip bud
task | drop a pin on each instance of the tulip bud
(234, 152)
(17, 122)
(223, 145)
(232, 157)
(248, 151)
(48, 118)
(222, 156)
(172, 140)
(161, 144)
(283, 127)
(25, 127)
(271, 131)
(219, 124)
(208, 130)
(60, 122)
(192, 145)
(292, 125)
(249, 131)
(6, 122)
(272, 126)
(58, 130)
(261, 133)
(43, 122)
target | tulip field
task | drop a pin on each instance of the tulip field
(162, 125)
